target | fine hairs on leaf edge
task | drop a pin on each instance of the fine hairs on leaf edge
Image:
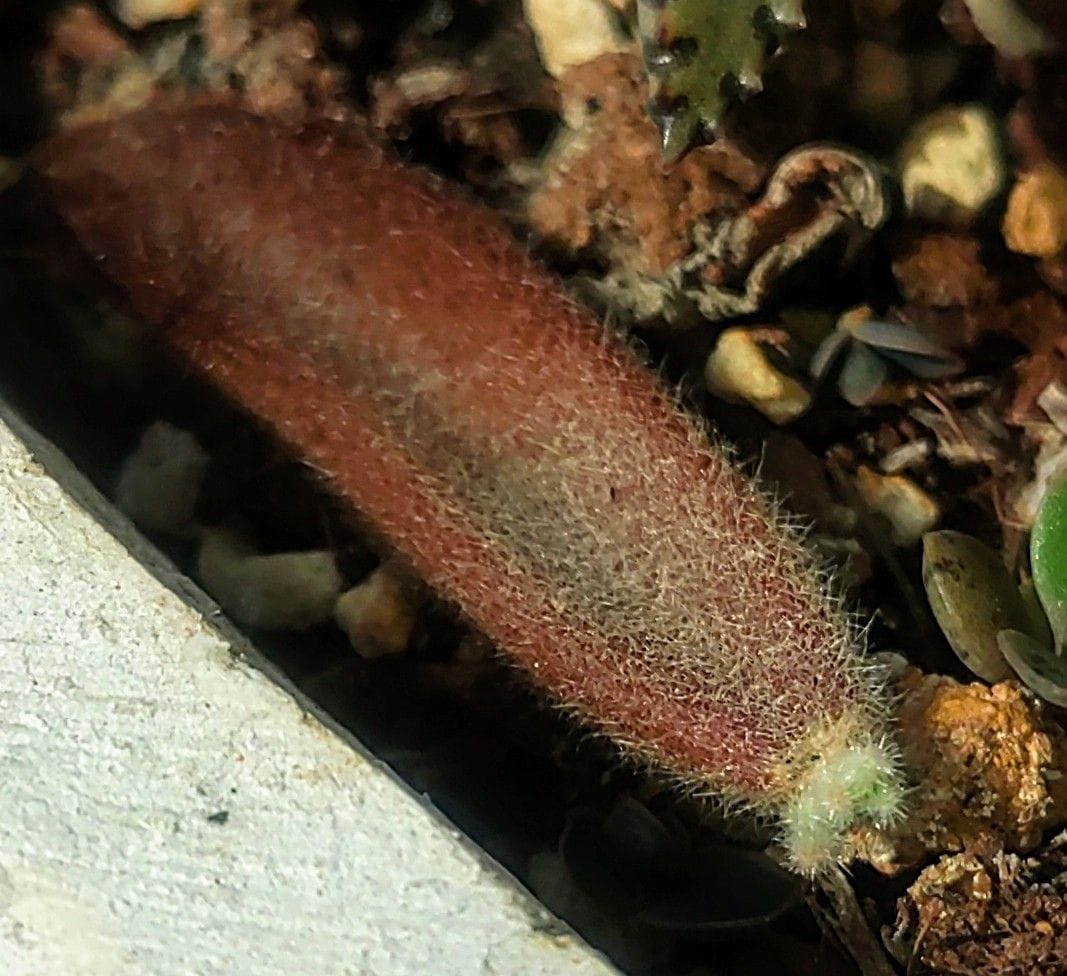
(841, 776)
(848, 774)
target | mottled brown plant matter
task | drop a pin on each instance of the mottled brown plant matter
(986, 914)
(607, 186)
(943, 270)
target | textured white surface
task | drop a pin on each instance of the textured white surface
(166, 809)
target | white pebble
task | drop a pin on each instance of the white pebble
(952, 165)
(160, 481)
(1008, 27)
(141, 13)
(276, 591)
(572, 32)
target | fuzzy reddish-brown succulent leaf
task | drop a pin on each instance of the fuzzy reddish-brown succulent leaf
(521, 459)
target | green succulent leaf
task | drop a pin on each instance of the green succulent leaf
(1048, 558)
(1038, 626)
(702, 53)
(973, 598)
(1038, 666)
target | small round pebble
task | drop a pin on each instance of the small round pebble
(378, 615)
(1036, 219)
(160, 481)
(909, 509)
(140, 13)
(952, 165)
(738, 369)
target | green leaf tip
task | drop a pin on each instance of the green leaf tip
(848, 786)
(701, 54)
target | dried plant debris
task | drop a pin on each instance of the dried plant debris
(263, 51)
(986, 914)
(476, 77)
(605, 189)
(838, 912)
(702, 54)
(732, 263)
(968, 429)
(942, 269)
(83, 57)
(814, 194)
